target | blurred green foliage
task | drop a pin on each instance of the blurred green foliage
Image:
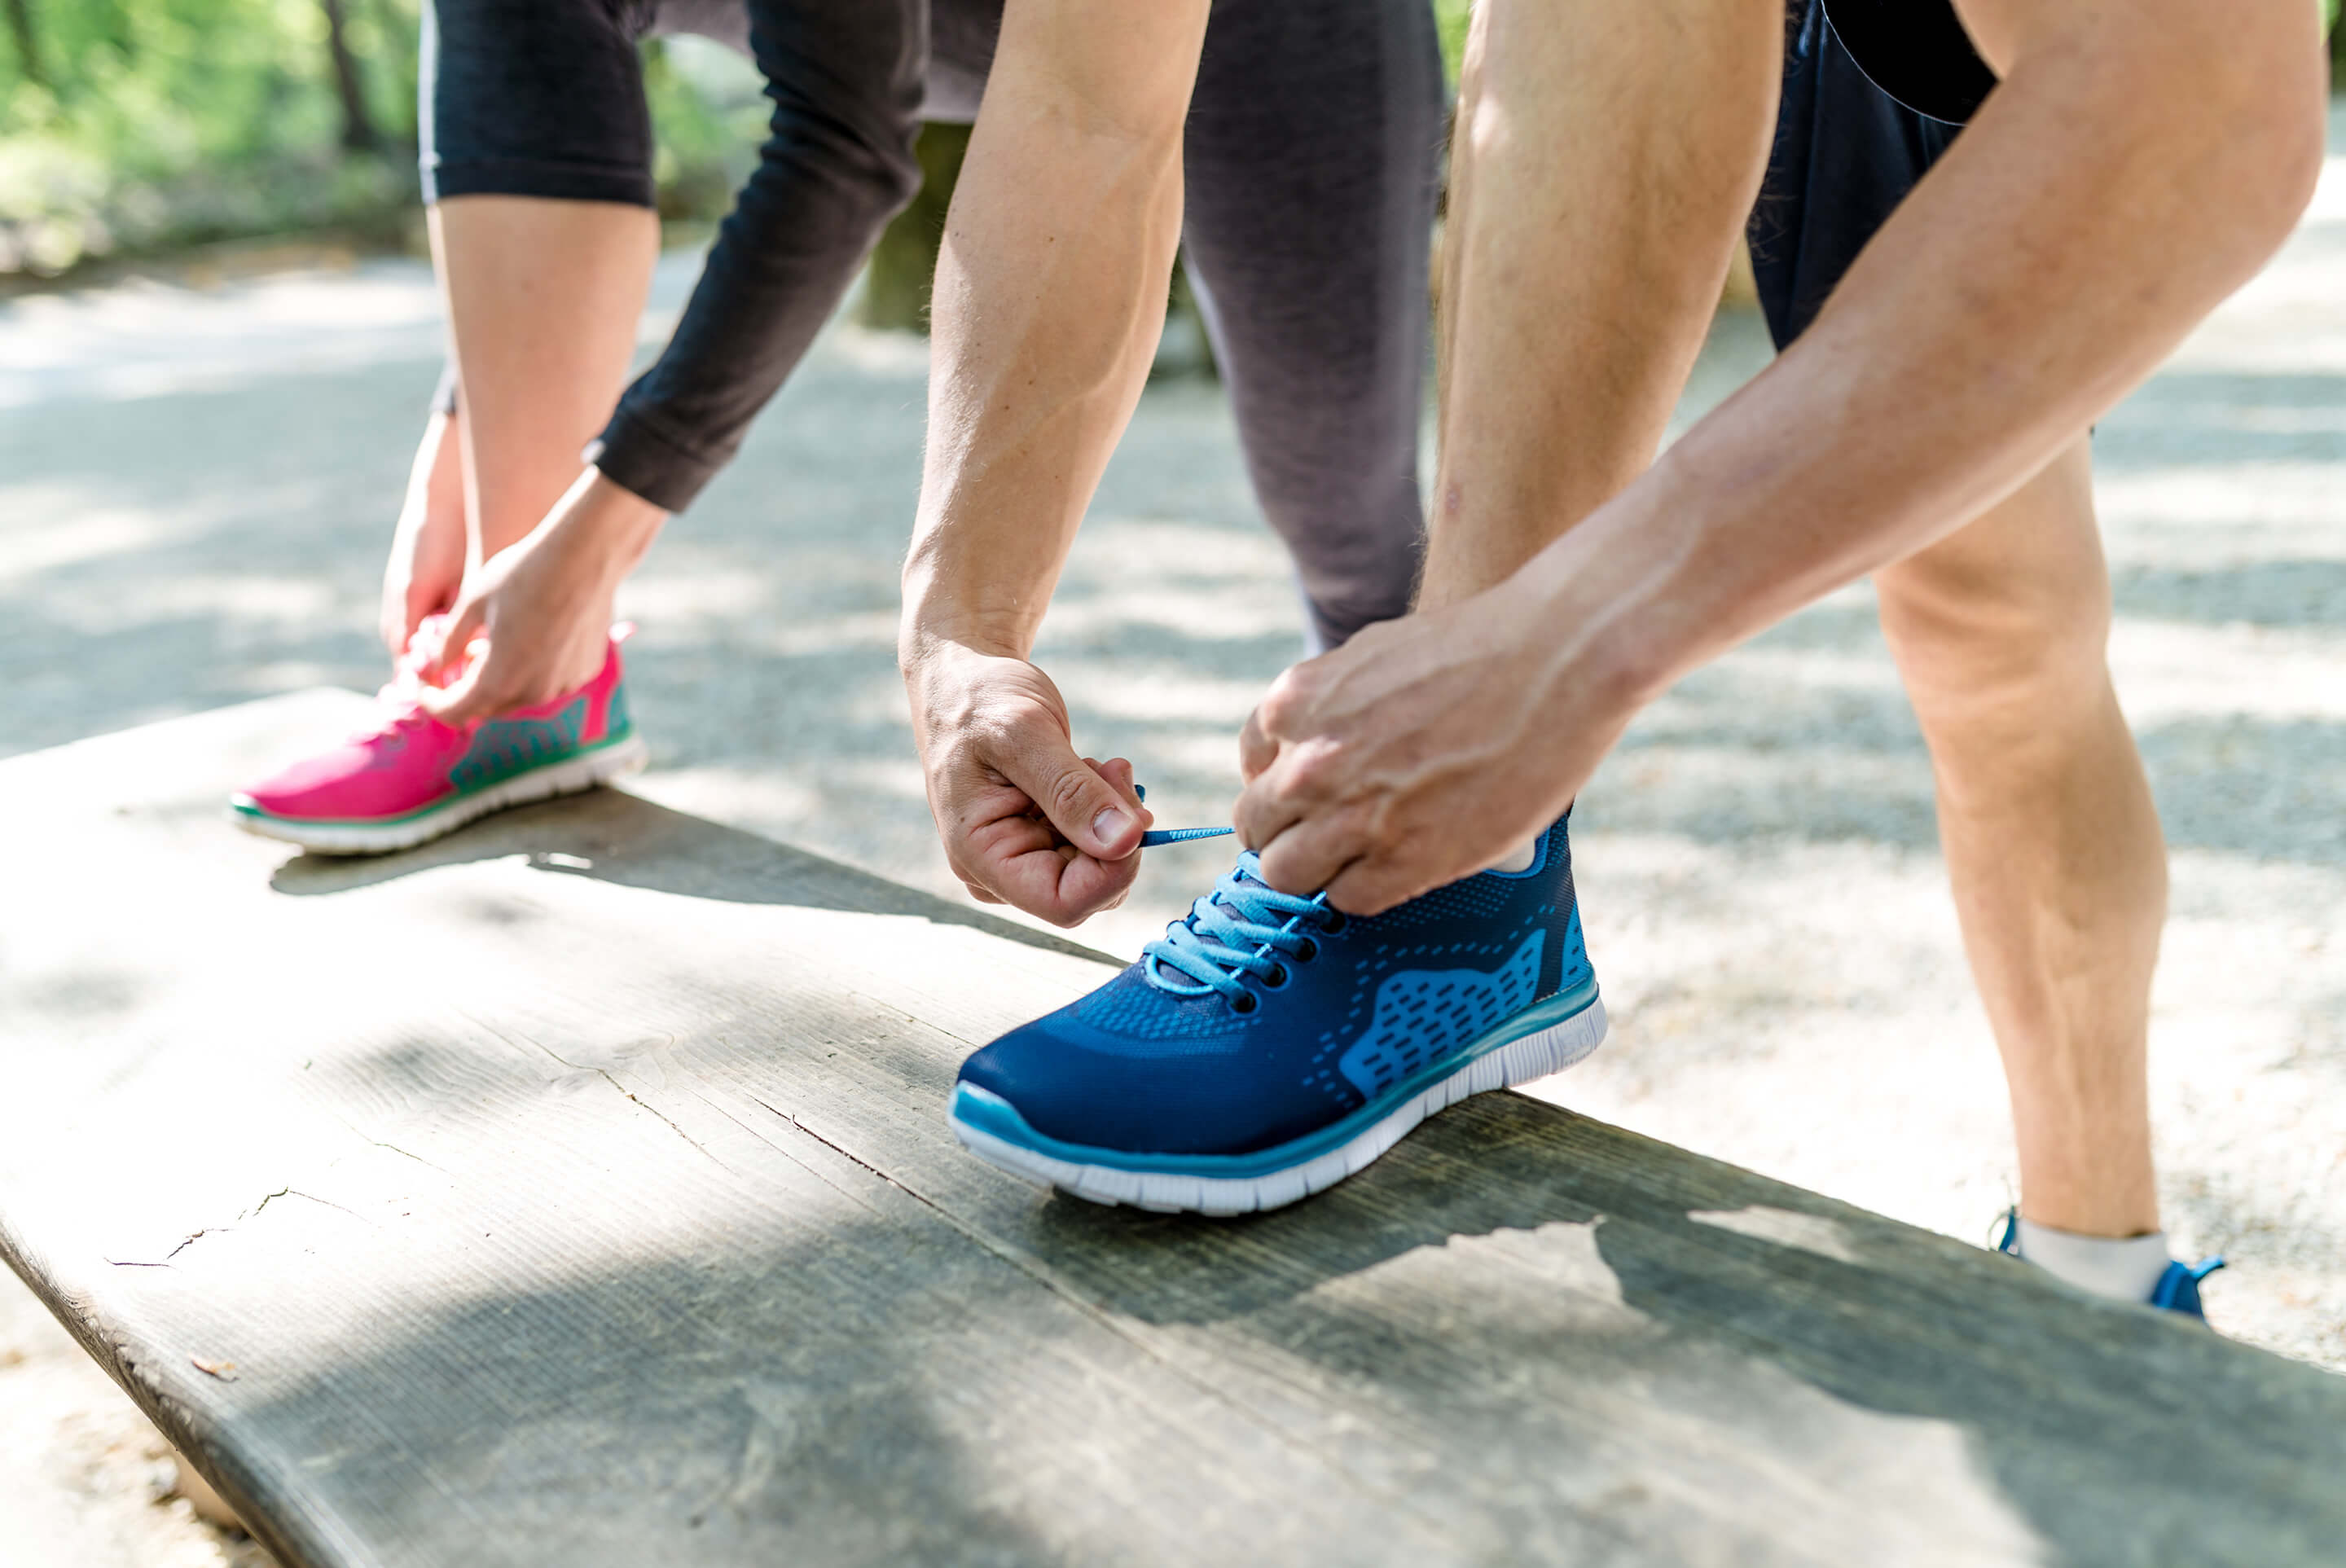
(130, 125)
(137, 125)
(1450, 16)
(708, 116)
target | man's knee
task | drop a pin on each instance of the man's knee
(1987, 640)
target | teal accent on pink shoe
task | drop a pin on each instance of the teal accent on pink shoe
(502, 748)
(408, 777)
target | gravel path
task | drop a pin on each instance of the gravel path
(195, 489)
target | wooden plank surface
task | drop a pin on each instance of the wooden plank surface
(577, 1191)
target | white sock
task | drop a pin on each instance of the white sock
(1519, 858)
(2125, 1268)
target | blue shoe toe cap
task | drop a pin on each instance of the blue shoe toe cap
(1076, 1085)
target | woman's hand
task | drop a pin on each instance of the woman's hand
(543, 605)
(426, 569)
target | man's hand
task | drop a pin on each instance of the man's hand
(545, 605)
(1422, 751)
(426, 569)
(1024, 819)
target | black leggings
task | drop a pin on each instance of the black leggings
(1310, 157)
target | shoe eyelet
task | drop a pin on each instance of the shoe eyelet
(1334, 921)
(1244, 1003)
(1307, 952)
(1278, 976)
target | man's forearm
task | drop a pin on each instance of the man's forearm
(2080, 226)
(1050, 295)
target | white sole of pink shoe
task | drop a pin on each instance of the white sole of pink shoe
(571, 777)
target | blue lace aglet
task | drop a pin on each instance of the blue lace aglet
(1161, 836)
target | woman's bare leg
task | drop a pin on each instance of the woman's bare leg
(544, 298)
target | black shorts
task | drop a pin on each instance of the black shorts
(1852, 139)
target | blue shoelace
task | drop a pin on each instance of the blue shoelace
(1278, 928)
(1241, 928)
(1158, 838)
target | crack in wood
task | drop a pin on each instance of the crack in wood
(605, 1075)
(364, 1136)
(253, 1212)
(194, 1237)
(670, 1123)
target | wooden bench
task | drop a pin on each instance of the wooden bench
(577, 1191)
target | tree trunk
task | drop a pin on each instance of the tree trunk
(29, 47)
(904, 263)
(358, 127)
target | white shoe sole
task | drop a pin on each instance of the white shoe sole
(543, 783)
(1534, 1057)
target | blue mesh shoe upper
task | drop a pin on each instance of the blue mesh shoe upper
(1260, 1017)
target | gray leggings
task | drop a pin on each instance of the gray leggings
(1310, 156)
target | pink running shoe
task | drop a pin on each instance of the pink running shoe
(408, 778)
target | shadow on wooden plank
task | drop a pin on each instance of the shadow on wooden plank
(2028, 1427)
(2118, 1434)
(611, 836)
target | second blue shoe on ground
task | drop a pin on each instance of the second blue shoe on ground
(2177, 1289)
(1268, 1046)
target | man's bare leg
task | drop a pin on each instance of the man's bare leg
(1650, 126)
(1680, 95)
(2051, 839)
(544, 298)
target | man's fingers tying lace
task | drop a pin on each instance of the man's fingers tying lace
(1086, 808)
(1257, 749)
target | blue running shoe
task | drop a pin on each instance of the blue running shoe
(2177, 1289)
(1269, 1045)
